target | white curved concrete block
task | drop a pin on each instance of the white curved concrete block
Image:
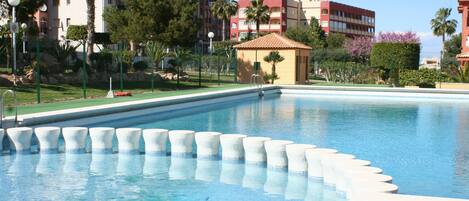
(313, 157)
(296, 157)
(355, 178)
(254, 176)
(207, 144)
(276, 154)
(2, 134)
(232, 173)
(329, 174)
(181, 142)
(363, 188)
(254, 150)
(48, 138)
(156, 166)
(297, 187)
(207, 170)
(340, 166)
(276, 181)
(128, 165)
(181, 168)
(75, 139)
(232, 146)
(101, 139)
(129, 140)
(20, 139)
(155, 141)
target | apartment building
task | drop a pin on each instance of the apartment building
(333, 17)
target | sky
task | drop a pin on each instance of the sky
(409, 15)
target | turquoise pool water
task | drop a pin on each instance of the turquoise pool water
(423, 143)
(144, 177)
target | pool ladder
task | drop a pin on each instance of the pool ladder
(2, 107)
(257, 83)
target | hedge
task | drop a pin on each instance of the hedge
(425, 78)
(396, 55)
(77, 32)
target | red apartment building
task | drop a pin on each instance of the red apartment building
(333, 18)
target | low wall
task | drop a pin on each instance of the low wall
(457, 86)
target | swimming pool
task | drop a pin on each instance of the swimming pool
(147, 177)
(422, 142)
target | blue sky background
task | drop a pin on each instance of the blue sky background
(409, 15)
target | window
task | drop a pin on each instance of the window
(67, 22)
(109, 1)
(234, 26)
(56, 2)
(324, 24)
(68, 2)
(324, 11)
(297, 68)
(306, 68)
(43, 25)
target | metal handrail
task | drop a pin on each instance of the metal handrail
(257, 83)
(2, 106)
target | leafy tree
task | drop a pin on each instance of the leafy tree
(24, 10)
(335, 40)
(171, 22)
(77, 33)
(258, 13)
(180, 56)
(318, 35)
(223, 10)
(442, 25)
(274, 58)
(359, 48)
(299, 34)
(452, 48)
(156, 51)
(91, 13)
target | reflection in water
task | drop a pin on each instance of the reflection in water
(128, 165)
(102, 164)
(296, 187)
(181, 168)
(232, 172)
(156, 166)
(276, 181)
(123, 177)
(207, 170)
(254, 176)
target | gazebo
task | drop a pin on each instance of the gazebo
(293, 70)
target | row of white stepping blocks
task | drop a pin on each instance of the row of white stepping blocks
(347, 174)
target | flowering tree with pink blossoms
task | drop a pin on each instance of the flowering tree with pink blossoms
(397, 37)
(359, 48)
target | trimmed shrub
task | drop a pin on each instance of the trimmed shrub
(424, 78)
(77, 32)
(396, 55)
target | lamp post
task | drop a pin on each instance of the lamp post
(43, 8)
(24, 26)
(210, 50)
(14, 30)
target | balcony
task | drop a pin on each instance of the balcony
(276, 14)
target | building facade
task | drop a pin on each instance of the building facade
(333, 18)
(463, 8)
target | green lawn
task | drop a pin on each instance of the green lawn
(67, 96)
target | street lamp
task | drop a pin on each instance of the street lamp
(24, 26)
(210, 50)
(14, 30)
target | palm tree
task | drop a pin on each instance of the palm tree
(90, 29)
(156, 51)
(224, 10)
(180, 56)
(274, 58)
(258, 12)
(442, 25)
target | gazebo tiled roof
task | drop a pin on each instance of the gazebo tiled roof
(272, 41)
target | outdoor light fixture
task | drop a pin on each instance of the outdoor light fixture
(24, 26)
(14, 3)
(211, 35)
(43, 8)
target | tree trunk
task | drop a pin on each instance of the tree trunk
(223, 31)
(273, 73)
(90, 29)
(258, 27)
(443, 48)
